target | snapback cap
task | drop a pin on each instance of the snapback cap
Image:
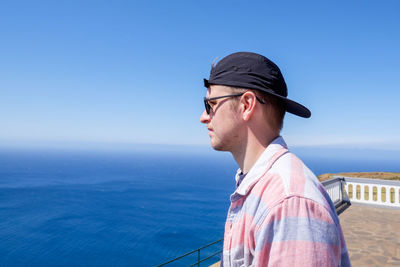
(254, 71)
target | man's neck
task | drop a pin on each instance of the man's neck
(247, 155)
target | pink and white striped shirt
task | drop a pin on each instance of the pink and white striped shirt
(280, 215)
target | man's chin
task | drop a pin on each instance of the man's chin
(218, 147)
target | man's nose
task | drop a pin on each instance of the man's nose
(204, 118)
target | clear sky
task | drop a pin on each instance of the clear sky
(132, 71)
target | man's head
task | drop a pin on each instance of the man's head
(255, 94)
(253, 71)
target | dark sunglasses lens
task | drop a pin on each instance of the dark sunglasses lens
(207, 106)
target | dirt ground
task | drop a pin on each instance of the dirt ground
(395, 176)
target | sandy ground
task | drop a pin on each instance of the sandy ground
(372, 235)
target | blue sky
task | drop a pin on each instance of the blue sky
(131, 71)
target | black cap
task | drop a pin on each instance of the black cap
(254, 71)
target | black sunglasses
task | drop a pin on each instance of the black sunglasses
(208, 107)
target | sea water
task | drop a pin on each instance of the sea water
(127, 208)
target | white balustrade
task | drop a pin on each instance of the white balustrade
(386, 192)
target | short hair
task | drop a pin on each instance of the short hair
(272, 103)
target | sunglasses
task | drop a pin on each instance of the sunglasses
(209, 108)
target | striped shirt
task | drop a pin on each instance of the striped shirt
(280, 215)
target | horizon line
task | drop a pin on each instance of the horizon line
(73, 144)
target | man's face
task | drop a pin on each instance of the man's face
(222, 122)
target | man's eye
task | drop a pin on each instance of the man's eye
(212, 103)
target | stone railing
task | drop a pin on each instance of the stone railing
(371, 191)
(334, 188)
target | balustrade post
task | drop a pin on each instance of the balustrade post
(353, 194)
(387, 198)
(371, 193)
(362, 196)
(379, 188)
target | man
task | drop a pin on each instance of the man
(280, 214)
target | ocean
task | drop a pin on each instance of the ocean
(129, 207)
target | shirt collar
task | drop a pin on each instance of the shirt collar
(273, 151)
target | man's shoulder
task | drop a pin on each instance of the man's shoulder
(288, 177)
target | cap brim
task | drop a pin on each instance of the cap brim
(293, 107)
(296, 108)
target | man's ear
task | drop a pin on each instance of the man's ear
(248, 103)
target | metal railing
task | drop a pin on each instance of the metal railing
(199, 260)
